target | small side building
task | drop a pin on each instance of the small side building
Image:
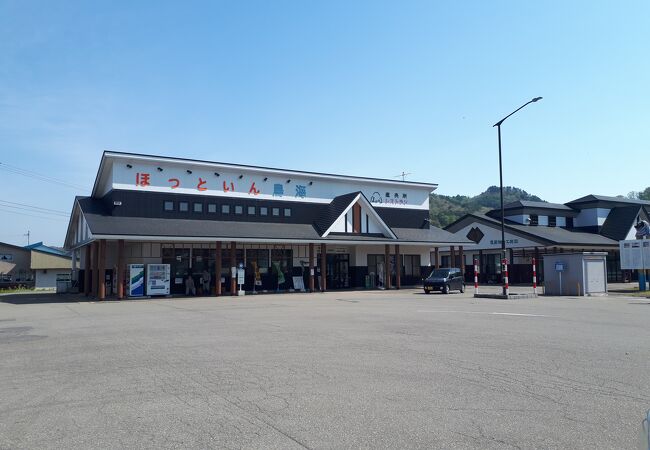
(50, 269)
(579, 273)
(15, 266)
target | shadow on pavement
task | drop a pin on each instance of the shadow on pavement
(27, 299)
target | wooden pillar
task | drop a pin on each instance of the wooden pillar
(120, 269)
(452, 256)
(87, 269)
(233, 268)
(95, 259)
(323, 267)
(398, 268)
(387, 279)
(437, 258)
(311, 267)
(101, 269)
(217, 260)
(461, 256)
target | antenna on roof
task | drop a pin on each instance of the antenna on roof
(403, 175)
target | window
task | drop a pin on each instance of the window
(276, 211)
(251, 210)
(225, 209)
(212, 208)
(183, 206)
(534, 219)
(239, 209)
(169, 206)
(552, 221)
(198, 207)
(287, 212)
(264, 211)
(412, 266)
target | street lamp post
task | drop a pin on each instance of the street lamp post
(498, 125)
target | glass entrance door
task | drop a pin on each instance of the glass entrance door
(338, 271)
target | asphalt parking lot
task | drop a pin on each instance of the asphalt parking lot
(395, 369)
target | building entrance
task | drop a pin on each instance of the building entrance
(338, 271)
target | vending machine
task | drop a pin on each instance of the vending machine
(158, 279)
(136, 280)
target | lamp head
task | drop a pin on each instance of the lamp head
(536, 99)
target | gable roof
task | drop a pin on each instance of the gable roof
(539, 205)
(620, 220)
(339, 208)
(39, 246)
(543, 235)
(605, 198)
(333, 211)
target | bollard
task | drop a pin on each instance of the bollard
(505, 276)
(476, 276)
(534, 277)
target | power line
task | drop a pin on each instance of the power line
(35, 211)
(37, 176)
(34, 207)
(54, 217)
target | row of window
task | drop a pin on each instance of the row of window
(197, 207)
(552, 221)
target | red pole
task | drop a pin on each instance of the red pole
(476, 276)
(505, 275)
(534, 277)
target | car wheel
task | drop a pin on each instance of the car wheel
(427, 292)
(462, 288)
(445, 289)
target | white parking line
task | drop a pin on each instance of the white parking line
(482, 312)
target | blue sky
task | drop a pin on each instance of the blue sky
(365, 88)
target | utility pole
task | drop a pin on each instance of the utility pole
(27, 236)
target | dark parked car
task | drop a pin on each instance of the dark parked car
(444, 280)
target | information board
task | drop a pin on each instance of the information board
(635, 254)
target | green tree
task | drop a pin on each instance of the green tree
(644, 194)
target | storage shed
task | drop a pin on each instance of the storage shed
(575, 274)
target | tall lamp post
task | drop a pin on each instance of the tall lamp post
(498, 125)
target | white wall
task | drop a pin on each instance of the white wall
(519, 218)
(46, 279)
(373, 225)
(492, 239)
(591, 217)
(322, 189)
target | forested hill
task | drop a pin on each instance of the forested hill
(445, 209)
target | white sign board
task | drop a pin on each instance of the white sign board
(635, 254)
(158, 278)
(240, 276)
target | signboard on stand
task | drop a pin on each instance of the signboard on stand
(635, 254)
(158, 279)
(136, 280)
